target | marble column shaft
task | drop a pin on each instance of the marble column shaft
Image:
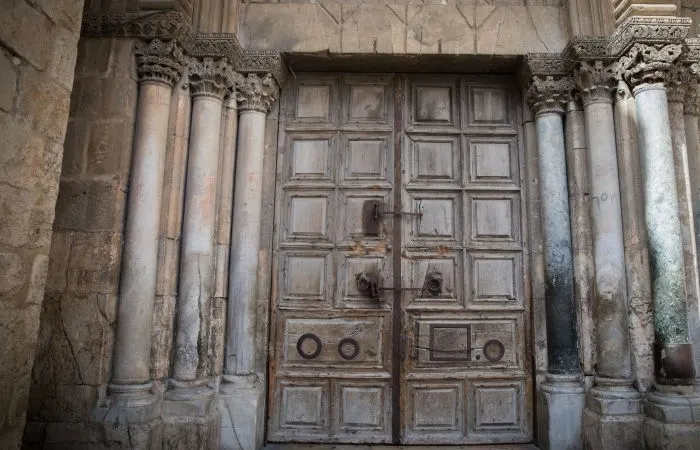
(577, 169)
(159, 67)
(692, 135)
(562, 335)
(209, 81)
(255, 97)
(613, 359)
(636, 252)
(673, 353)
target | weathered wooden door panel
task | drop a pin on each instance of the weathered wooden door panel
(457, 368)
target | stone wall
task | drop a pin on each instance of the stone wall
(38, 42)
(78, 315)
(499, 27)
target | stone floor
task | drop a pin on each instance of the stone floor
(398, 447)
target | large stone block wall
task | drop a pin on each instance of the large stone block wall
(499, 27)
(38, 46)
(76, 334)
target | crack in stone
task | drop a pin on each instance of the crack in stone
(70, 344)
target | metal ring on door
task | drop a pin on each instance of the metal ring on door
(300, 344)
(348, 341)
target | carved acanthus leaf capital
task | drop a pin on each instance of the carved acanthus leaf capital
(256, 94)
(549, 93)
(159, 61)
(211, 77)
(679, 77)
(595, 80)
(645, 64)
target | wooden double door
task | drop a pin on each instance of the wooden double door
(399, 311)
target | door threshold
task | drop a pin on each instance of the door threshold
(398, 447)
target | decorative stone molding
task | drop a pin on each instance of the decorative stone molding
(164, 25)
(587, 47)
(595, 80)
(159, 61)
(256, 94)
(649, 31)
(217, 45)
(549, 93)
(210, 77)
(645, 64)
(263, 62)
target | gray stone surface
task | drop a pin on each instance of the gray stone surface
(560, 403)
(389, 27)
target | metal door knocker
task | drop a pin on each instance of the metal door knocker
(433, 283)
(367, 284)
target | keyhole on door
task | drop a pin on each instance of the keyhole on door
(371, 217)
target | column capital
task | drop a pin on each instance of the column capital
(211, 77)
(691, 100)
(595, 80)
(159, 61)
(256, 93)
(679, 77)
(549, 93)
(648, 64)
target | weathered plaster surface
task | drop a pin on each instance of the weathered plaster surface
(405, 27)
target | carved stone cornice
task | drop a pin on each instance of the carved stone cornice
(163, 25)
(645, 64)
(217, 45)
(159, 61)
(543, 65)
(650, 31)
(256, 94)
(595, 80)
(211, 77)
(263, 62)
(587, 48)
(549, 93)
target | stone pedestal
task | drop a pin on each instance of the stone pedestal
(672, 420)
(242, 406)
(613, 416)
(191, 419)
(560, 403)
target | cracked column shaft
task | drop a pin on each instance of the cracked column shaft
(159, 67)
(209, 81)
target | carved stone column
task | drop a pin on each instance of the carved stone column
(159, 66)
(241, 390)
(646, 68)
(670, 421)
(255, 96)
(691, 111)
(209, 80)
(561, 397)
(613, 400)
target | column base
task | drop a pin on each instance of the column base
(130, 416)
(190, 416)
(672, 419)
(560, 403)
(613, 416)
(242, 405)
